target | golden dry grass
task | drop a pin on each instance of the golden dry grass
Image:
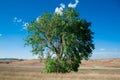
(30, 70)
(115, 62)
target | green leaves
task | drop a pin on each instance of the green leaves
(67, 36)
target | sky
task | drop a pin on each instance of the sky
(103, 14)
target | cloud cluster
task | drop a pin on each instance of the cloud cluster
(16, 20)
(21, 22)
(59, 10)
(73, 5)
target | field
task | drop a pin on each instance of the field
(102, 69)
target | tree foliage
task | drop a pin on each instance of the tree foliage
(66, 36)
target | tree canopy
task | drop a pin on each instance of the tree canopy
(63, 40)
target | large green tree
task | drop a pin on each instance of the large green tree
(67, 37)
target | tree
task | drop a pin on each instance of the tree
(66, 36)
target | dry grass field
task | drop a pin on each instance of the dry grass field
(100, 69)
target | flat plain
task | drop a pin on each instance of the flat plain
(98, 69)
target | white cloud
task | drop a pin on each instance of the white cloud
(102, 49)
(25, 25)
(38, 18)
(16, 20)
(59, 10)
(19, 20)
(62, 5)
(0, 35)
(73, 5)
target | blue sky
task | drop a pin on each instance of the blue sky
(104, 15)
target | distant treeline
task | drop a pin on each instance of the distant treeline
(10, 59)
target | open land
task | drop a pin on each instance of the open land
(98, 69)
